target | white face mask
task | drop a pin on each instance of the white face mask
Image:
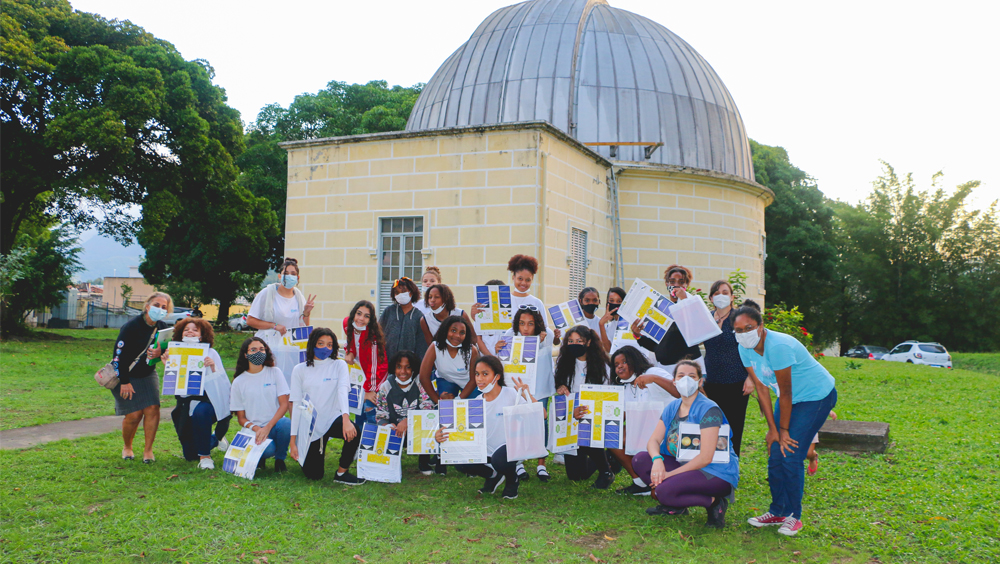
(156, 313)
(686, 386)
(403, 298)
(359, 327)
(630, 379)
(451, 346)
(722, 301)
(191, 340)
(749, 339)
(489, 387)
(405, 386)
(438, 310)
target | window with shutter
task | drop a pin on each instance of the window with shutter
(578, 261)
(400, 242)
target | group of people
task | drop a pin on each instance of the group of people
(423, 349)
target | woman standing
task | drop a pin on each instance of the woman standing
(726, 380)
(610, 320)
(259, 398)
(441, 305)
(806, 394)
(522, 270)
(401, 320)
(486, 339)
(324, 378)
(137, 395)
(451, 357)
(673, 348)
(431, 276)
(366, 346)
(278, 308)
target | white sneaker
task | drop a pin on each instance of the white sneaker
(223, 444)
(559, 459)
(207, 464)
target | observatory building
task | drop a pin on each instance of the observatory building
(589, 137)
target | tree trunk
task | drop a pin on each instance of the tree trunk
(222, 322)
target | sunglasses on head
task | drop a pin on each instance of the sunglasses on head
(398, 280)
(528, 307)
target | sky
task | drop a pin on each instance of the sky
(838, 85)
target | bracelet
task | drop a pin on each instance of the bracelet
(658, 456)
(248, 425)
(784, 429)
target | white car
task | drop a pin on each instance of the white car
(239, 323)
(915, 352)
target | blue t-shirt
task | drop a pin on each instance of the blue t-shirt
(810, 381)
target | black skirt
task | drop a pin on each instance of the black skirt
(147, 393)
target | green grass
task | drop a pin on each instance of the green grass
(987, 363)
(933, 497)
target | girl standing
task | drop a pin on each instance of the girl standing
(401, 320)
(280, 306)
(441, 305)
(610, 320)
(673, 348)
(366, 346)
(431, 276)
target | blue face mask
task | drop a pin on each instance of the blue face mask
(322, 353)
(156, 313)
(289, 281)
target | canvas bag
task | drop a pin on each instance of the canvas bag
(108, 378)
(641, 418)
(694, 320)
(524, 427)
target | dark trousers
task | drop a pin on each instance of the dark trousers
(585, 462)
(786, 474)
(689, 489)
(316, 459)
(733, 404)
(498, 461)
(197, 438)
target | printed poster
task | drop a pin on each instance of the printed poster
(563, 427)
(567, 314)
(184, 371)
(653, 308)
(303, 425)
(689, 436)
(519, 356)
(379, 454)
(421, 426)
(465, 424)
(243, 454)
(356, 395)
(298, 338)
(623, 337)
(601, 427)
(499, 312)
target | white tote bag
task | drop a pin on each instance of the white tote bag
(524, 428)
(641, 418)
(694, 320)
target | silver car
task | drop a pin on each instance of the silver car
(916, 352)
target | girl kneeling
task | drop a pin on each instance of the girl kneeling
(400, 393)
(699, 482)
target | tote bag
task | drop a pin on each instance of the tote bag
(524, 427)
(694, 320)
(641, 418)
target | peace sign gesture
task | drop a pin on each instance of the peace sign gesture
(310, 303)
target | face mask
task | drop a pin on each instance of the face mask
(403, 298)
(322, 353)
(405, 386)
(191, 340)
(489, 387)
(437, 310)
(748, 340)
(156, 313)
(257, 358)
(613, 308)
(590, 308)
(629, 380)
(451, 346)
(686, 386)
(289, 281)
(359, 327)
(722, 301)
(575, 351)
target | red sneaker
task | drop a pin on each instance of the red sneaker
(790, 527)
(766, 520)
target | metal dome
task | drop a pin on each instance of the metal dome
(599, 73)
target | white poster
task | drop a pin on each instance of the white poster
(645, 303)
(689, 443)
(563, 427)
(356, 395)
(499, 312)
(303, 427)
(183, 373)
(421, 426)
(243, 455)
(623, 337)
(465, 424)
(567, 314)
(601, 427)
(379, 454)
(519, 356)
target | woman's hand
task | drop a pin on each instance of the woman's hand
(748, 386)
(154, 352)
(643, 381)
(293, 449)
(370, 396)
(579, 411)
(500, 345)
(126, 391)
(637, 328)
(680, 293)
(606, 318)
(280, 328)
(446, 396)
(349, 358)
(400, 428)
(350, 431)
(786, 441)
(310, 304)
(657, 474)
(520, 385)
(475, 309)
(770, 438)
(209, 363)
(562, 391)
(262, 433)
(557, 333)
(441, 436)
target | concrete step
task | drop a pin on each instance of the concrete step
(26, 437)
(854, 436)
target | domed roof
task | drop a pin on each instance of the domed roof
(599, 73)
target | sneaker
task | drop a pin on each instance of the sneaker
(279, 466)
(207, 464)
(765, 520)
(441, 470)
(604, 481)
(559, 459)
(614, 463)
(666, 510)
(790, 527)
(223, 444)
(543, 474)
(522, 474)
(262, 463)
(349, 479)
(634, 489)
(717, 513)
(491, 485)
(510, 490)
(425, 467)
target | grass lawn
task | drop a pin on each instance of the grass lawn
(978, 362)
(934, 497)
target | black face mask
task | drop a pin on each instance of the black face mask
(589, 308)
(576, 350)
(613, 308)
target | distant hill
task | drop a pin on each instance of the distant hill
(103, 256)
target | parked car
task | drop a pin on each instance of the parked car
(239, 323)
(178, 314)
(867, 351)
(916, 352)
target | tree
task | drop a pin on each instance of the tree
(49, 260)
(801, 241)
(126, 293)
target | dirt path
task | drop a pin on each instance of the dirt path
(26, 437)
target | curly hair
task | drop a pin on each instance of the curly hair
(495, 365)
(676, 268)
(446, 296)
(517, 263)
(242, 364)
(405, 285)
(441, 337)
(207, 333)
(318, 332)
(536, 315)
(374, 329)
(597, 360)
(637, 362)
(410, 356)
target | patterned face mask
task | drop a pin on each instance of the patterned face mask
(257, 358)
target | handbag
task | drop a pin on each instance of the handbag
(694, 320)
(524, 428)
(107, 376)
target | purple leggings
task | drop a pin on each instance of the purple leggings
(688, 489)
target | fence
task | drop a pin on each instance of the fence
(105, 316)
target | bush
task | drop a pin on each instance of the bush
(779, 318)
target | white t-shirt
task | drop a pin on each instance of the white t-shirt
(594, 323)
(652, 392)
(421, 305)
(286, 310)
(580, 375)
(496, 436)
(433, 324)
(327, 384)
(257, 394)
(212, 354)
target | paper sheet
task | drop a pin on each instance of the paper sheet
(183, 373)
(567, 314)
(298, 338)
(563, 427)
(421, 425)
(689, 443)
(519, 356)
(623, 337)
(303, 426)
(465, 424)
(243, 454)
(653, 308)
(499, 312)
(356, 395)
(602, 426)
(379, 454)
(218, 389)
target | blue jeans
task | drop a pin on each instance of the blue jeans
(280, 435)
(786, 475)
(444, 386)
(202, 439)
(367, 416)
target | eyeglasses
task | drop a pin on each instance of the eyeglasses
(252, 350)
(745, 329)
(398, 280)
(528, 307)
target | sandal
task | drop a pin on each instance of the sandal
(148, 460)
(127, 457)
(813, 466)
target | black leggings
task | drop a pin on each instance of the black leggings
(733, 404)
(497, 461)
(586, 461)
(315, 460)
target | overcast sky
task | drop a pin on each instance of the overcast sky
(839, 85)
